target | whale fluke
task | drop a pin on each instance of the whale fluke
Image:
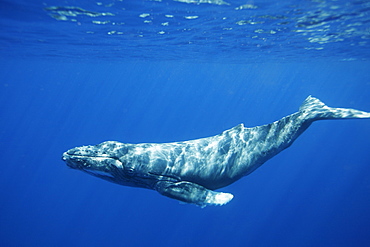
(318, 110)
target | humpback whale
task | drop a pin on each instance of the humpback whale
(191, 171)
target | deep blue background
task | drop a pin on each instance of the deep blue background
(316, 193)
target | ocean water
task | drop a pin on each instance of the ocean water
(82, 72)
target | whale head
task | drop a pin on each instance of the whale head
(106, 161)
(93, 161)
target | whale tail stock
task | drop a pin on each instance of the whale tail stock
(317, 110)
(287, 129)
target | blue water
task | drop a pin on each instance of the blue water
(80, 72)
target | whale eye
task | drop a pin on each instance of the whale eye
(130, 170)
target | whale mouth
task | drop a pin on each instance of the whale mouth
(73, 156)
(77, 161)
(73, 161)
(90, 161)
(70, 156)
(66, 156)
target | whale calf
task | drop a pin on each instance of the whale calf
(190, 171)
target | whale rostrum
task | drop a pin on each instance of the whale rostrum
(190, 171)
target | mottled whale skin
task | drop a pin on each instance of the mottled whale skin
(190, 171)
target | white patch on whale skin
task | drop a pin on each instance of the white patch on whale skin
(218, 198)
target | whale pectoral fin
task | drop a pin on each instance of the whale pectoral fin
(192, 193)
